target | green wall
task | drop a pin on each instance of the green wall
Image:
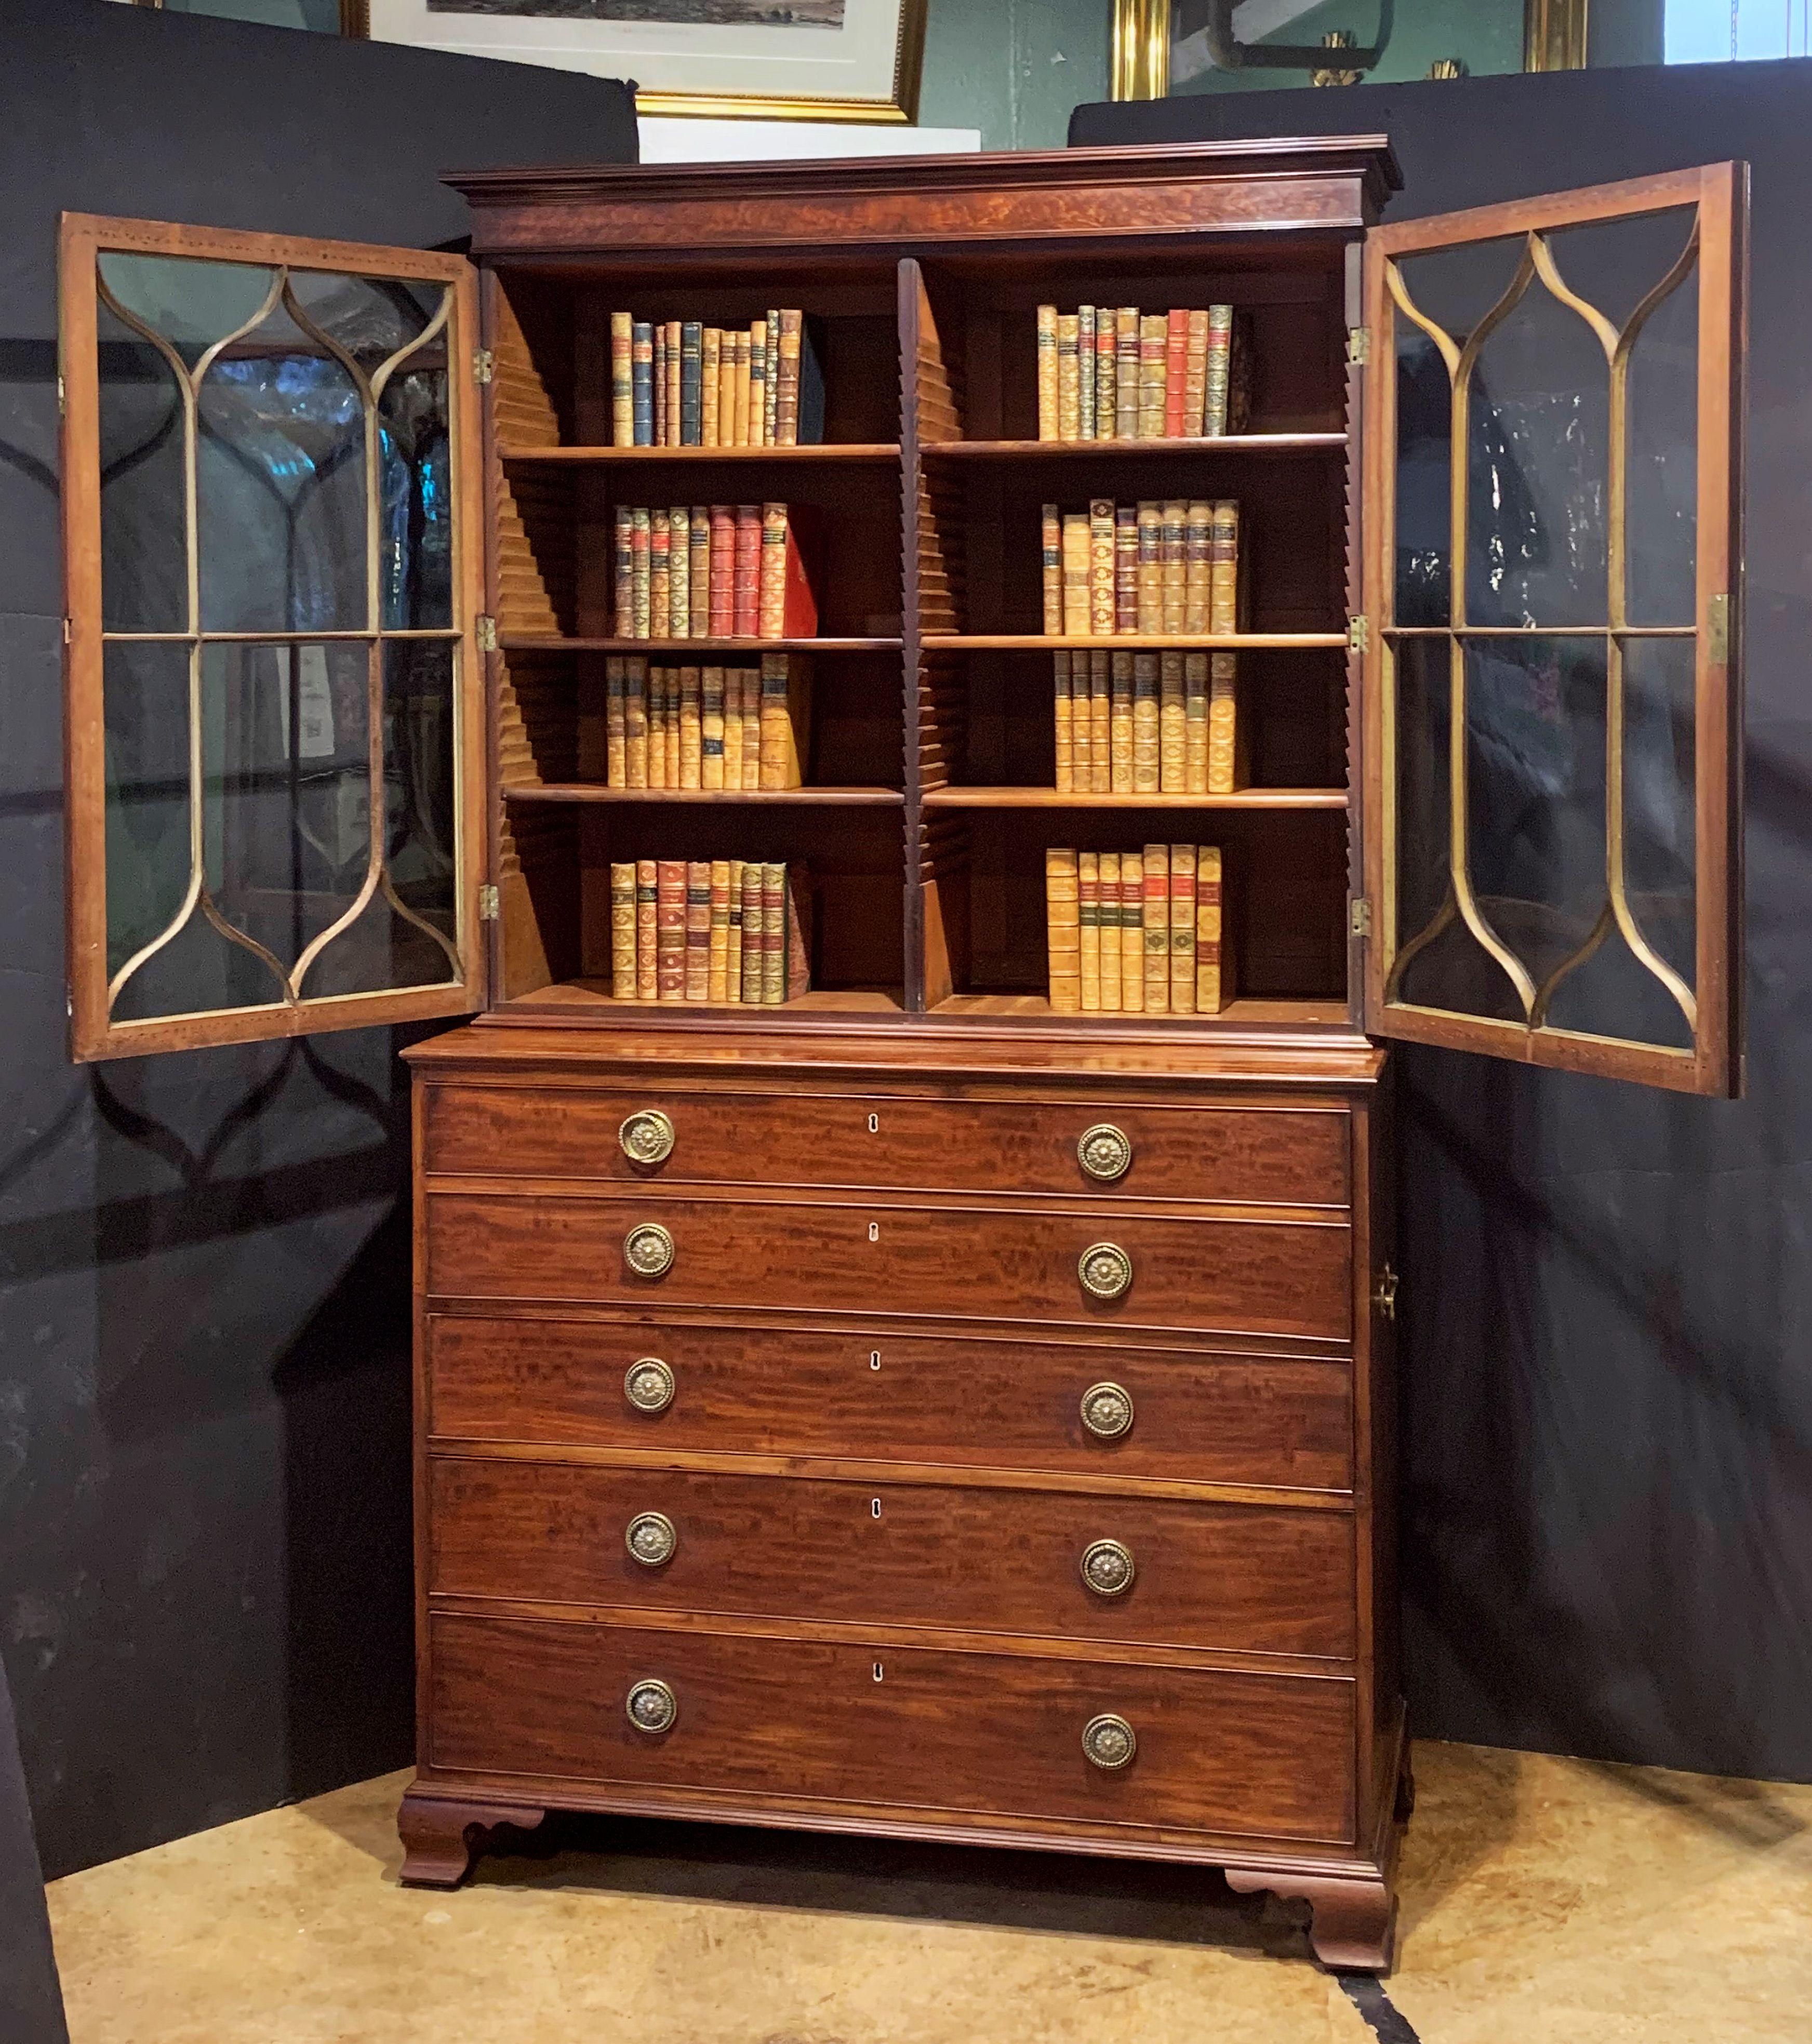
(1014, 68)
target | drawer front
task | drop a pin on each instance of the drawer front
(988, 1734)
(1291, 1156)
(1239, 1577)
(1284, 1277)
(1195, 1418)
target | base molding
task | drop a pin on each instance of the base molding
(1352, 1926)
(441, 1837)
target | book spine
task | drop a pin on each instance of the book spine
(659, 384)
(1151, 568)
(1132, 933)
(710, 368)
(1145, 723)
(622, 932)
(1223, 773)
(691, 381)
(691, 729)
(786, 396)
(1085, 373)
(1051, 530)
(659, 575)
(751, 729)
(656, 728)
(1198, 547)
(1075, 546)
(698, 930)
(1217, 365)
(1047, 372)
(730, 682)
(635, 722)
(1176, 372)
(1126, 372)
(1195, 723)
(1183, 929)
(1107, 915)
(745, 571)
(779, 749)
(1069, 377)
(1100, 722)
(1153, 331)
(754, 937)
(773, 935)
(771, 618)
(721, 579)
(1156, 863)
(624, 576)
(726, 389)
(1088, 929)
(733, 945)
(711, 728)
(1120, 725)
(622, 380)
(1172, 557)
(1173, 737)
(678, 571)
(1125, 568)
(670, 960)
(1213, 980)
(1063, 782)
(698, 570)
(676, 366)
(744, 370)
(641, 384)
(758, 383)
(795, 933)
(648, 931)
(1063, 931)
(770, 414)
(1106, 381)
(616, 727)
(1224, 568)
(717, 945)
(1195, 373)
(639, 611)
(1100, 567)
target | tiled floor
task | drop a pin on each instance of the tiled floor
(1545, 1902)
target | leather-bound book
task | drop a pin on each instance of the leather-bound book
(1218, 364)
(1107, 889)
(1051, 560)
(659, 384)
(1147, 725)
(1047, 372)
(1195, 722)
(799, 932)
(1198, 585)
(710, 370)
(1195, 373)
(635, 721)
(657, 726)
(1183, 929)
(1127, 373)
(676, 366)
(717, 981)
(648, 931)
(1100, 722)
(1064, 717)
(750, 729)
(641, 610)
(754, 933)
(758, 383)
(623, 571)
(691, 378)
(1224, 568)
(721, 579)
(732, 945)
(691, 729)
(745, 366)
(1173, 730)
(622, 379)
(1173, 554)
(1076, 550)
(787, 607)
(786, 719)
(1106, 377)
(698, 930)
(732, 762)
(726, 389)
(1119, 723)
(1063, 931)
(711, 728)
(1132, 933)
(1156, 862)
(616, 728)
(1081, 724)
(660, 577)
(798, 408)
(1226, 763)
(745, 571)
(1151, 568)
(622, 931)
(678, 571)
(641, 384)
(670, 959)
(1100, 567)
(1088, 929)
(1176, 372)
(1085, 372)
(770, 387)
(773, 934)
(1153, 336)
(699, 571)
(1069, 378)
(1214, 955)
(1125, 568)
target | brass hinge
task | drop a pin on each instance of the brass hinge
(68, 630)
(484, 365)
(487, 904)
(1358, 634)
(1361, 916)
(1359, 344)
(486, 635)
(1384, 1294)
(1717, 630)
(61, 397)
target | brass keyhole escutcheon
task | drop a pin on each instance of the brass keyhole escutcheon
(1107, 1567)
(1107, 1411)
(1105, 1152)
(651, 1706)
(1105, 1270)
(647, 1137)
(648, 1249)
(647, 1383)
(1109, 1741)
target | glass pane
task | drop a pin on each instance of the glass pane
(1424, 502)
(145, 568)
(415, 544)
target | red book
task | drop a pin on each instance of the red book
(669, 929)
(747, 570)
(722, 571)
(1176, 372)
(788, 609)
(697, 957)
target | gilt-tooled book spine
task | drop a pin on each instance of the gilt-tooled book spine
(1047, 372)
(746, 571)
(1183, 929)
(698, 570)
(1100, 722)
(1196, 373)
(1120, 725)
(1172, 556)
(1100, 567)
(1082, 723)
(1107, 914)
(671, 926)
(1224, 568)
(1176, 372)
(641, 384)
(1063, 931)
(659, 384)
(758, 383)
(691, 381)
(624, 571)
(692, 728)
(1214, 959)
(710, 369)
(622, 932)
(711, 728)
(622, 379)
(785, 715)
(732, 947)
(1225, 772)
(1218, 362)
(731, 766)
(1198, 589)
(798, 931)
(676, 366)
(1069, 377)
(1132, 933)
(1075, 545)
(1173, 734)
(750, 729)
(698, 929)
(1106, 381)
(718, 982)
(616, 727)
(1147, 727)
(770, 388)
(1063, 713)
(639, 611)
(754, 933)
(648, 931)
(1125, 568)
(679, 571)
(1085, 373)
(1157, 929)
(1150, 567)
(1195, 725)
(1127, 373)
(771, 594)
(773, 934)
(659, 581)
(787, 383)
(745, 373)
(1051, 541)
(721, 579)
(1152, 342)
(726, 389)
(635, 722)
(657, 726)
(1088, 929)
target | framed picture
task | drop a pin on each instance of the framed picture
(773, 60)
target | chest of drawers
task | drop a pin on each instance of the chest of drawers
(994, 1449)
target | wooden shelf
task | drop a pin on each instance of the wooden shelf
(1242, 1014)
(588, 994)
(1128, 642)
(1052, 798)
(589, 791)
(554, 641)
(825, 451)
(1240, 444)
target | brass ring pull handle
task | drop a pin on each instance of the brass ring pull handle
(1107, 1567)
(1109, 1741)
(647, 1137)
(1105, 1152)
(651, 1708)
(1107, 1411)
(1105, 1270)
(648, 1249)
(651, 1539)
(647, 1383)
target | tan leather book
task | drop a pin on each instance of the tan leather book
(635, 722)
(691, 730)
(773, 935)
(1183, 929)
(744, 357)
(1062, 714)
(1119, 723)
(670, 958)
(1075, 547)
(657, 727)
(1147, 728)
(698, 929)
(641, 607)
(1226, 762)
(1101, 564)
(1195, 722)
(1224, 567)
(754, 932)
(1106, 375)
(716, 982)
(1107, 884)
(1125, 568)
(659, 574)
(1217, 367)
(732, 730)
(710, 372)
(1100, 722)
(711, 728)
(1214, 985)
(699, 575)
(1081, 724)
(1069, 379)
(1153, 335)
(1063, 930)
(758, 383)
(1088, 927)
(785, 714)
(1151, 568)
(623, 931)
(1085, 372)
(647, 933)
(751, 729)
(1051, 537)
(1173, 736)
(1173, 558)
(1196, 373)
(1156, 864)
(1047, 372)
(616, 728)
(770, 388)
(733, 950)
(1132, 933)
(623, 572)
(622, 379)
(678, 571)
(726, 390)
(1197, 538)
(1127, 373)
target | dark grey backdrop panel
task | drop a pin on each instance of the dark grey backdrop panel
(1606, 1292)
(31, 2001)
(205, 1600)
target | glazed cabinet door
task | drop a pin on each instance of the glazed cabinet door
(1551, 709)
(273, 700)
